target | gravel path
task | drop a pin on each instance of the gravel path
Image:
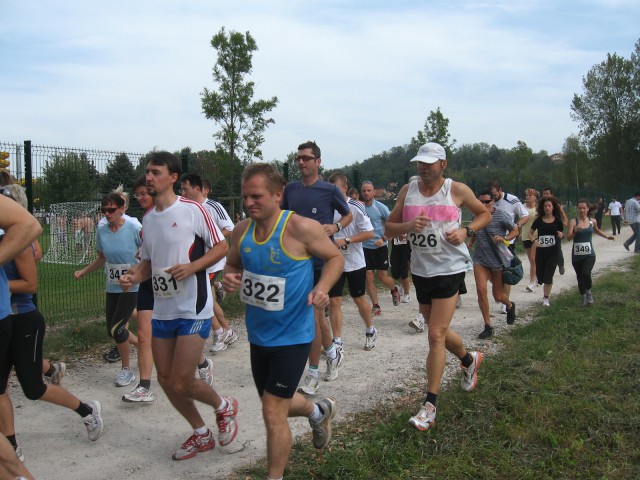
(139, 439)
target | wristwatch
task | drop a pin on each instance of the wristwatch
(347, 240)
(470, 232)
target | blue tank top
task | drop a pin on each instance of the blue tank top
(5, 304)
(20, 302)
(583, 243)
(275, 286)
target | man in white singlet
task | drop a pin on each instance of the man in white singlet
(428, 212)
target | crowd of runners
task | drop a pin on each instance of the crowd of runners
(289, 261)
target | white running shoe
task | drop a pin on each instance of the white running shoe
(418, 323)
(221, 342)
(194, 445)
(370, 340)
(139, 395)
(226, 421)
(125, 377)
(309, 385)
(530, 287)
(333, 365)
(206, 373)
(321, 431)
(470, 373)
(19, 454)
(406, 298)
(93, 421)
(425, 418)
(59, 369)
(545, 302)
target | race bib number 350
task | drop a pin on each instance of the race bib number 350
(164, 285)
(263, 291)
(546, 240)
(426, 241)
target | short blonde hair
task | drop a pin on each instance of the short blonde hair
(120, 191)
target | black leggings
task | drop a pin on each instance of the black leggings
(583, 269)
(25, 354)
(119, 307)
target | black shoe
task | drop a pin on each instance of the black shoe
(112, 356)
(486, 333)
(561, 270)
(511, 314)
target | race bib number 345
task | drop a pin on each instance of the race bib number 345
(263, 291)
(164, 285)
(115, 271)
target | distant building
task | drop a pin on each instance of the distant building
(557, 157)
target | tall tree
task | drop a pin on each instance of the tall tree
(608, 113)
(519, 158)
(436, 129)
(119, 171)
(69, 177)
(243, 121)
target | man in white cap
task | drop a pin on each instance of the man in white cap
(428, 211)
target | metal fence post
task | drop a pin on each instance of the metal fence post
(28, 175)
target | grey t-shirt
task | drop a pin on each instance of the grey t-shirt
(485, 254)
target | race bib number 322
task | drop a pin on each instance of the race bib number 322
(164, 285)
(263, 291)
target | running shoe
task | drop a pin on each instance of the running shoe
(626, 247)
(561, 270)
(376, 310)
(425, 418)
(333, 365)
(93, 421)
(418, 323)
(545, 302)
(206, 373)
(395, 296)
(486, 333)
(59, 369)
(309, 385)
(221, 342)
(227, 424)
(112, 356)
(194, 445)
(590, 300)
(125, 377)
(511, 314)
(370, 340)
(530, 287)
(406, 298)
(220, 293)
(139, 395)
(321, 431)
(584, 301)
(19, 454)
(470, 373)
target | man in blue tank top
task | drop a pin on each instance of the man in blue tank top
(271, 264)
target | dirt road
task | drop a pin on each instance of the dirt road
(139, 439)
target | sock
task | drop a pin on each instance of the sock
(317, 415)
(371, 330)
(145, 384)
(314, 371)
(83, 410)
(331, 352)
(432, 398)
(12, 441)
(204, 364)
(201, 431)
(466, 360)
(223, 404)
(50, 371)
(337, 340)
(220, 331)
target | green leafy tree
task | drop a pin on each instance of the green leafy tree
(243, 120)
(119, 171)
(576, 165)
(608, 113)
(69, 177)
(519, 159)
(436, 129)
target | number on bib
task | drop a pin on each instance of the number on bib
(582, 248)
(546, 240)
(115, 271)
(426, 241)
(164, 285)
(263, 291)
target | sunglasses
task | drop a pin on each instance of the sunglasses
(486, 202)
(305, 158)
(367, 182)
(108, 210)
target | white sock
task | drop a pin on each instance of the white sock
(219, 331)
(317, 416)
(371, 330)
(331, 352)
(201, 431)
(313, 371)
(223, 404)
(337, 340)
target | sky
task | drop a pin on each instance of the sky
(358, 77)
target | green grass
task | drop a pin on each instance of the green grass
(560, 400)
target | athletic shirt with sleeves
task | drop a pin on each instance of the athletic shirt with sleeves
(513, 206)
(431, 254)
(615, 208)
(223, 222)
(134, 220)
(268, 270)
(317, 201)
(353, 253)
(378, 213)
(119, 249)
(583, 243)
(547, 230)
(181, 233)
(487, 255)
(20, 302)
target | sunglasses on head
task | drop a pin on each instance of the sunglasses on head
(108, 209)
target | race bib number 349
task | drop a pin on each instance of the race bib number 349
(582, 248)
(263, 291)
(164, 285)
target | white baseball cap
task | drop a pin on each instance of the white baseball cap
(430, 153)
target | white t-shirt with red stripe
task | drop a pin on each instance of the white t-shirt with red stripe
(179, 234)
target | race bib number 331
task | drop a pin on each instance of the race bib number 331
(263, 291)
(164, 285)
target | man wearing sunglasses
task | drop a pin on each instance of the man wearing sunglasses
(316, 199)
